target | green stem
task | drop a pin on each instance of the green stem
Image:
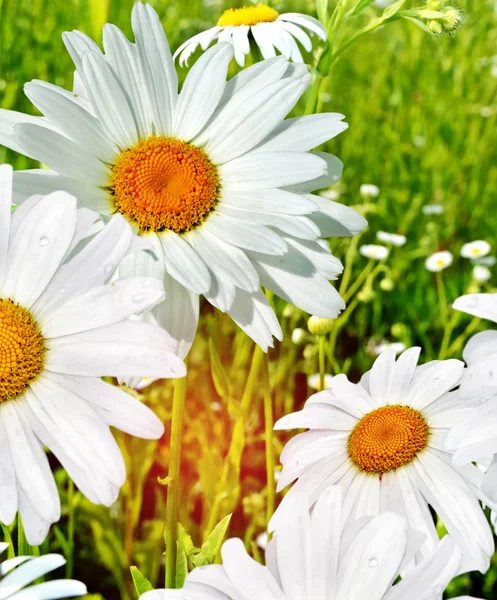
(174, 474)
(442, 298)
(313, 94)
(459, 341)
(321, 349)
(269, 424)
(70, 528)
(23, 548)
(349, 260)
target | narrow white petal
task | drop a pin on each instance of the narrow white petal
(39, 247)
(263, 38)
(30, 571)
(50, 590)
(271, 200)
(203, 89)
(8, 489)
(309, 23)
(335, 219)
(35, 526)
(5, 210)
(478, 305)
(332, 175)
(77, 44)
(437, 378)
(62, 154)
(184, 264)
(9, 119)
(241, 43)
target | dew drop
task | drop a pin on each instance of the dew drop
(63, 290)
(472, 302)
(373, 562)
(44, 241)
(173, 369)
(436, 380)
(483, 400)
(438, 589)
(138, 298)
(146, 283)
(108, 269)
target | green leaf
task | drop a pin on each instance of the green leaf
(392, 9)
(419, 23)
(184, 546)
(212, 544)
(142, 584)
(219, 376)
(322, 10)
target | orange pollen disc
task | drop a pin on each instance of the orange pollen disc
(163, 183)
(21, 349)
(387, 438)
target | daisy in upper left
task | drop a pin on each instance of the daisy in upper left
(382, 440)
(213, 178)
(62, 327)
(18, 572)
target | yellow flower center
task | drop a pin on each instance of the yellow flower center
(163, 183)
(387, 438)
(21, 349)
(248, 15)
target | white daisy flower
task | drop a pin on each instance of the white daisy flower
(374, 252)
(299, 336)
(368, 190)
(433, 209)
(312, 557)
(213, 177)
(262, 24)
(481, 273)
(313, 381)
(439, 261)
(382, 441)
(62, 327)
(331, 194)
(474, 439)
(476, 249)
(17, 573)
(391, 238)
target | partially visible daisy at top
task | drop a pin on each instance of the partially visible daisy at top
(213, 178)
(264, 26)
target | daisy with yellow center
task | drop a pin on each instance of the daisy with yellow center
(263, 25)
(383, 442)
(213, 180)
(62, 327)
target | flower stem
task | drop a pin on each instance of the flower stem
(174, 474)
(268, 422)
(321, 349)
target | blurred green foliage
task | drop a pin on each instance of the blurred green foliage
(422, 114)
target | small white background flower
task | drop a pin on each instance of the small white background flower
(368, 190)
(439, 261)
(476, 249)
(391, 238)
(374, 251)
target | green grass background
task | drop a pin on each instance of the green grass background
(422, 114)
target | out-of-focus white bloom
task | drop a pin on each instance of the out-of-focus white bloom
(391, 238)
(439, 261)
(298, 335)
(419, 141)
(374, 251)
(486, 111)
(383, 3)
(397, 347)
(331, 194)
(476, 249)
(481, 273)
(262, 540)
(17, 573)
(313, 381)
(368, 190)
(433, 209)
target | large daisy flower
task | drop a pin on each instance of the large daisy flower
(17, 573)
(475, 438)
(312, 557)
(214, 178)
(265, 26)
(383, 441)
(62, 327)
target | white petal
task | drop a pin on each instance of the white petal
(405, 368)
(69, 116)
(35, 526)
(157, 65)
(202, 91)
(478, 305)
(305, 21)
(178, 315)
(262, 33)
(226, 260)
(77, 44)
(39, 247)
(184, 264)
(221, 294)
(332, 175)
(241, 43)
(317, 416)
(127, 349)
(9, 119)
(62, 588)
(436, 379)
(335, 219)
(253, 314)
(30, 462)
(271, 200)
(270, 169)
(29, 572)
(91, 267)
(103, 306)
(8, 489)
(109, 100)
(61, 154)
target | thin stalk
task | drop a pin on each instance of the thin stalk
(174, 474)
(268, 434)
(321, 350)
(23, 548)
(442, 298)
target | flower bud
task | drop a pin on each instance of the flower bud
(298, 336)
(452, 18)
(319, 326)
(387, 284)
(366, 295)
(435, 27)
(435, 4)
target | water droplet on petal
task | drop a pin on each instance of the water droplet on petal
(108, 269)
(147, 283)
(472, 302)
(44, 241)
(373, 562)
(436, 380)
(173, 369)
(483, 400)
(438, 589)
(63, 290)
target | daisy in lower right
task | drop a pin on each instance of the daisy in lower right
(382, 440)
